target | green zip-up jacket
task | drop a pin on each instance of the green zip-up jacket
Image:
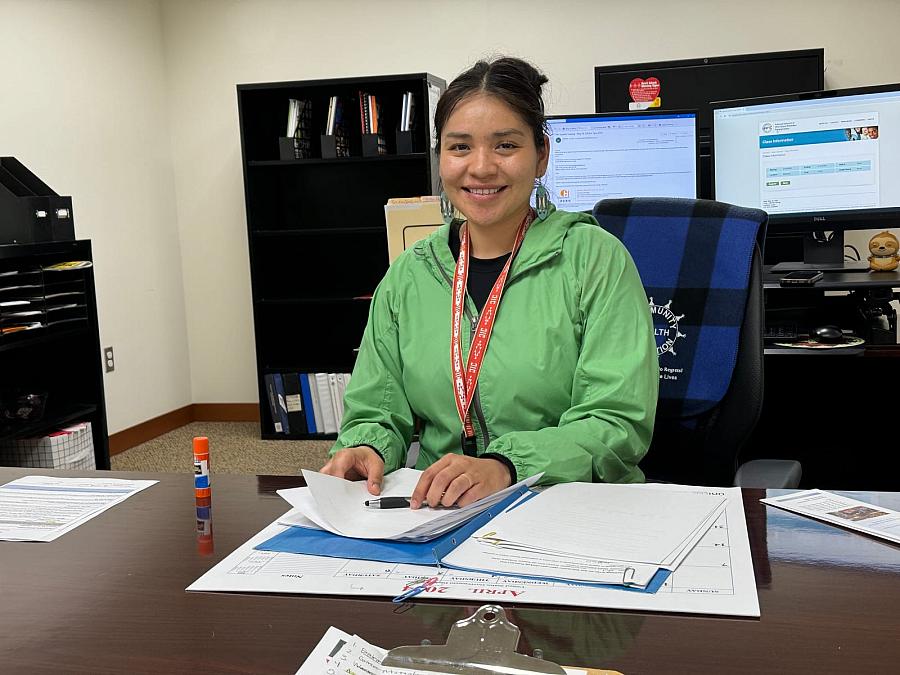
(569, 382)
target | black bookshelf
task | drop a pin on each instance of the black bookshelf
(316, 230)
(61, 357)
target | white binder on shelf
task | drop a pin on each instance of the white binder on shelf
(316, 403)
(329, 421)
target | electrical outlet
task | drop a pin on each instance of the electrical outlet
(109, 359)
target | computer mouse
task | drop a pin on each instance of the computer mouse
(828, 334)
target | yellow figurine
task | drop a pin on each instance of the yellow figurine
(883, 247)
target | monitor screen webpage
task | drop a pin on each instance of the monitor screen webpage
(594, 157)
(827, 158)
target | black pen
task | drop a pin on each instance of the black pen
(392, 503)
(389, 503)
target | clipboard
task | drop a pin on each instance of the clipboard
(483, 644)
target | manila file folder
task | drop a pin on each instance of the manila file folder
(408, 220)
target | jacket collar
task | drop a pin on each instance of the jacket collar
(543, 241)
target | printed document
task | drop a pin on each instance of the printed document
(339, 506)
(339, 652)
(591, 533)
(42, 508)
(625, 522)
(877, 521)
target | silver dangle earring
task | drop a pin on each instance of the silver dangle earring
(448, 211)
(542, 202)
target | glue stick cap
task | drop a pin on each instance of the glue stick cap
(201, 445)
(201, 467)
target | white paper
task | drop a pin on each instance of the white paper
(484, 551)
(340, 652)
(877, 521)
(591, 533)
(715, 578)
(340, 507)
(614, 522)
(295, 518)
(42, 508)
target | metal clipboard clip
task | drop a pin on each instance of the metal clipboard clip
(483, 644)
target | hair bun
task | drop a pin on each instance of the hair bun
(515, 81)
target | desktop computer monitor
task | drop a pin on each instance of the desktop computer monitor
(594, 157)
(815, 162)
(692, 84)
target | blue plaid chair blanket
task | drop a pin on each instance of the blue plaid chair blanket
(694, 258)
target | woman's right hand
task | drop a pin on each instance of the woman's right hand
(357, 463)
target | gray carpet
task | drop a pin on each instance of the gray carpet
(234, 447)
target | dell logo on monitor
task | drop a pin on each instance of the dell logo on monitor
(819, 219)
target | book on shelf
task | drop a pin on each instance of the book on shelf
(364, 113)
(343, 379)
(281, 403)
(329, 421)
(316, 403)
(337, 401)
(273, 404)
(298, 134)
(370, 117)
(307, 403)
(293, 398)
(329, 120)
(407, 111)
(293, 117)
(334, 141)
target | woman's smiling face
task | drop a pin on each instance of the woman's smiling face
(489, 162)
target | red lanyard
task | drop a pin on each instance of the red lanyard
(464, 383)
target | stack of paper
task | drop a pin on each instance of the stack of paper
(630, 535)
(42, 508)
(339, 506)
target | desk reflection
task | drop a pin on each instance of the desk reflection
(800, 539)
(203, 508)
(572, 638)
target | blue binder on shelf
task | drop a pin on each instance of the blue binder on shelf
(307, 404)
(281, 403)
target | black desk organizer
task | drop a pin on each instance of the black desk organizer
(31, 211)
(292, 147)
(335, 145)
(406, 143)
(373, 145)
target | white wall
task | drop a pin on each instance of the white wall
(83, 106)
(130, 107)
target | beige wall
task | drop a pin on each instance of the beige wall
(83, 105)
(131, 108)
(212, 46)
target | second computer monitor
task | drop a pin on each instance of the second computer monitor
(605, 156)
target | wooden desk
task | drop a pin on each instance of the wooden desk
(109, 597)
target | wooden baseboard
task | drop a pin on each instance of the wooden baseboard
(226, 412)
(196, 412)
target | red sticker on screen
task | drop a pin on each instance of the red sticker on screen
(643, 90)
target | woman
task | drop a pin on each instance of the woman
(568, 375)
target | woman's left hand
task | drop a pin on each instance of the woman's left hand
(460, 480)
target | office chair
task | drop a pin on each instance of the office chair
(701, 266)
